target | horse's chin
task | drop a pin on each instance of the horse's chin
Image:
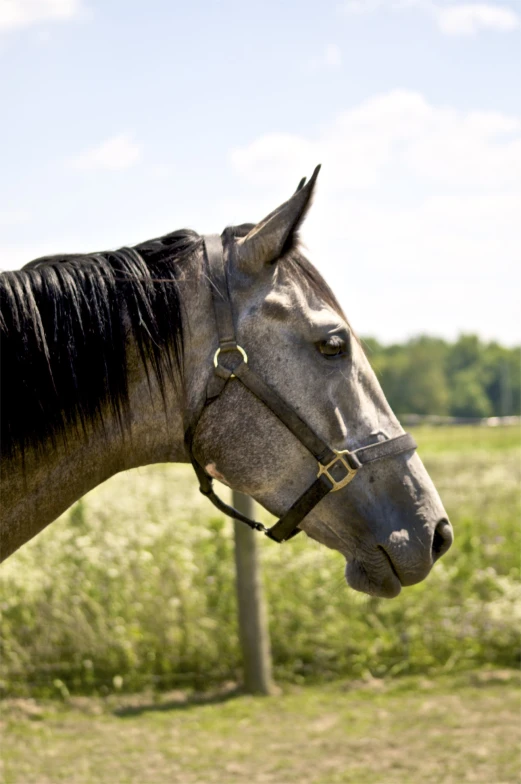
(383, 582)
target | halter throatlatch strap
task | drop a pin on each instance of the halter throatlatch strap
(335, 468)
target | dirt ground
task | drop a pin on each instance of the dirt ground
(448, 730)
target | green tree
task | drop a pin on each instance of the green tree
(468, 394)
(467, 378)
(413, 375)
(503, 378)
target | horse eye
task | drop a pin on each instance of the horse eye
(332, 347)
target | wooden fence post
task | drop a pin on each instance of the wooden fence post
(253, 624)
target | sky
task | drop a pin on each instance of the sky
(125, 120)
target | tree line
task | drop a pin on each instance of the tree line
(467, 378)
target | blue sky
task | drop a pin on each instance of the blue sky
(126, 120)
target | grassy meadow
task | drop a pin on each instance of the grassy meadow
(133, 588)
(454, 729)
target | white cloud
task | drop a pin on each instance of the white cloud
(454, 19)
(418, 220)
(161, 171)
(22, 13)
(469, 19)
(118, 152)
(331, 57)
(399, 129)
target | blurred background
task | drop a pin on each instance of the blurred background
(122, 121)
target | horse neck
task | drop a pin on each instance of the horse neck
(37, 490)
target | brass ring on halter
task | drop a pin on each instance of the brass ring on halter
(350, 471)
(233, 348)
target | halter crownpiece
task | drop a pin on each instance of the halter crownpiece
(336, 469)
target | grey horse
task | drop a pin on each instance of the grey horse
(105, 364)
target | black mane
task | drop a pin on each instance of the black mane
(63, 330)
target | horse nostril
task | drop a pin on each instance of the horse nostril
(442, 539)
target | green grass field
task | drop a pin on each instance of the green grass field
(130, 595)
(448, 729)
(134, 587)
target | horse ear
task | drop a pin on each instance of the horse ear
(276, 234)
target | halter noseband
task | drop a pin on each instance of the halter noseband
(335, 468)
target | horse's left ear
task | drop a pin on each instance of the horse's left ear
(276, 234)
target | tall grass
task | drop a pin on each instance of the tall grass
(134, 587)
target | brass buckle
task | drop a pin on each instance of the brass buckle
(232, 348)
(350, 475)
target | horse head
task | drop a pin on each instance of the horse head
(389, 521)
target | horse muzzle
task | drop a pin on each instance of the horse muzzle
(397, 562)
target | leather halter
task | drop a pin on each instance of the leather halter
(335, 468)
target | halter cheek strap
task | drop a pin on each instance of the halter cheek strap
(336, 469)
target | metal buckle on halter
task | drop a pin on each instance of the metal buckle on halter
(228, 349)
(350, 464)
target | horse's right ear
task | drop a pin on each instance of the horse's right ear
(277, 233)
